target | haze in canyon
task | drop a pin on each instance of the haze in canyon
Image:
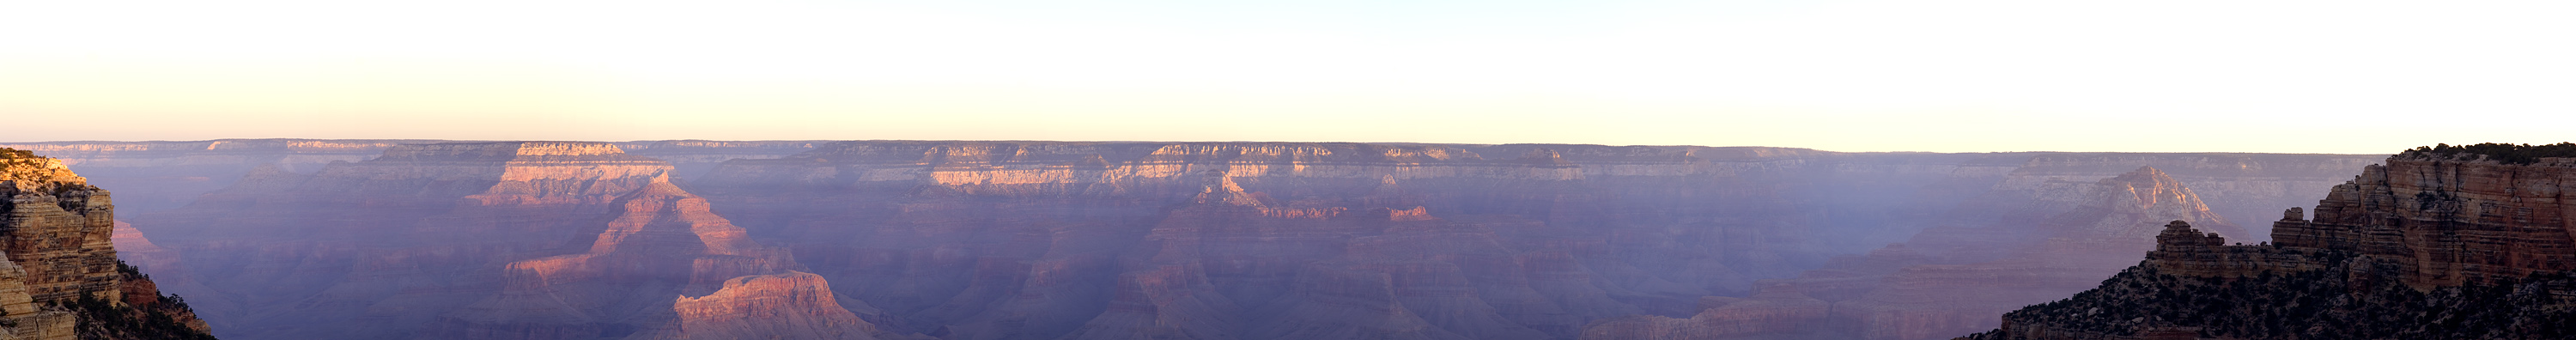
(381, 239)
(1147, 169)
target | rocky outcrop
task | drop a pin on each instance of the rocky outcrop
(2437, 243)
(2448, 220)
(59, 275)
(58, 228)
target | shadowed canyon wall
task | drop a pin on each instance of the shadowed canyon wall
(1078, 240)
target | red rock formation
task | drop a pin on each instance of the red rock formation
(794, 305)
(2448, 220)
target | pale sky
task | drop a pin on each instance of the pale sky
(2246, 76)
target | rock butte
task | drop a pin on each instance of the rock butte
(1049, 240)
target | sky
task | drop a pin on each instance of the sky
(1944, 76)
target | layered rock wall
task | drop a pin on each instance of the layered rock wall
(2450, 220)
(58, 228)
(59, 275)
(2460, 240)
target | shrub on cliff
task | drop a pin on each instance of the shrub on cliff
(2507, 153)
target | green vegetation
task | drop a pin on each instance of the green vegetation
(2507, 153)
(8, 153)
(103, 319)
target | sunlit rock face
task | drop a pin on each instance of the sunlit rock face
(513, 240)
(792, 305)
(58, 227)
(2431, 245)
(57, 249)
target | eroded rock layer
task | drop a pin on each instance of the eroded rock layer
(2432, 245)
(60, 278)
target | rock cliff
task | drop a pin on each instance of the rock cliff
(60, 278)
(2438, 243)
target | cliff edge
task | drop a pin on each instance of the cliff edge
(61, 278)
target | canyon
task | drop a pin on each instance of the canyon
(1121, 240)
